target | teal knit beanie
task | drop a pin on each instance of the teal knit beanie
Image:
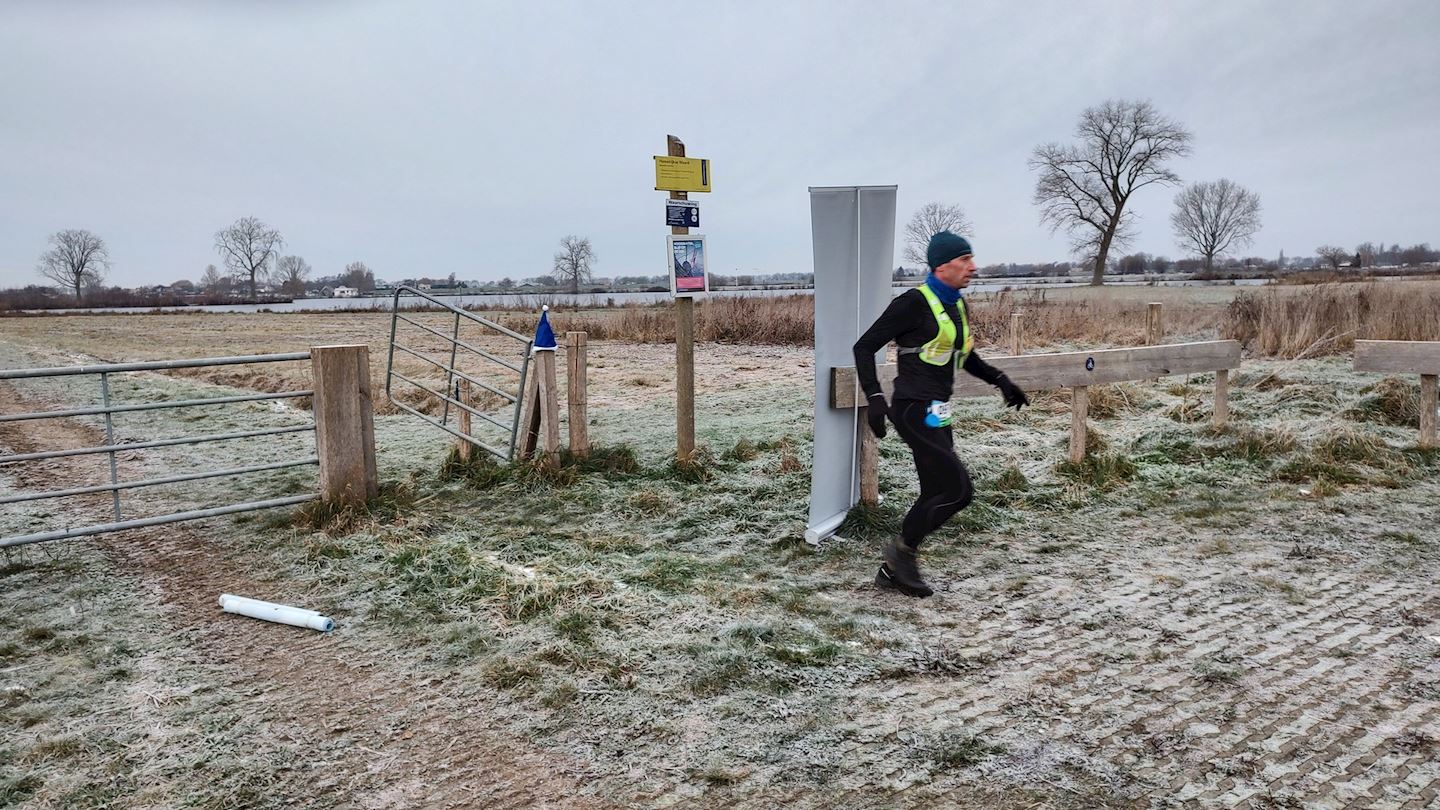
(944, 247)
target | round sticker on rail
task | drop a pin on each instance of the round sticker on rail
(1089, 364)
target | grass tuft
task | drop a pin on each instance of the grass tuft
(395, 499)
(481, 470)
(1011, 479)
(1257, 445)
(1110, 401)
(1346, 456)
(1099, 470)
(617, 461)
(650, 502)
(1392, 401)
(698, 469)
(744, 450)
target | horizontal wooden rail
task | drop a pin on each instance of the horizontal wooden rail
(1045, 372)
(1077, 371)
(1398, 356)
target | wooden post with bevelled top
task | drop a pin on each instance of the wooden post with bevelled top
(344, 423)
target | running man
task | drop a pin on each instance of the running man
(930, 326)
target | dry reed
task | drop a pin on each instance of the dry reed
(1329, 318)
(1273, 322)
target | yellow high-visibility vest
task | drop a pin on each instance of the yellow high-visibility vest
(939, 351)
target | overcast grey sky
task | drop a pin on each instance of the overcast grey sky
(426, 138)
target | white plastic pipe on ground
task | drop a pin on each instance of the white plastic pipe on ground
(272, 612)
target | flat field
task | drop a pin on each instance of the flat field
(1191, 617)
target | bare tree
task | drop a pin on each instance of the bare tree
(293, 272)
(1134, 264)
(359, 276)
(213, 281)
(1211, 218)
(1333, 255)
(246, 248)
(1083, 187)
(574, 261)
(76, 258)
(1368, 251)
(931, 219)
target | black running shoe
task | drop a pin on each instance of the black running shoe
(885, 580)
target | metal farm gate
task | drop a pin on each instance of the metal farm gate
(503, 426)
(111, 447)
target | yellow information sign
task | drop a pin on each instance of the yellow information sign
(681, 174)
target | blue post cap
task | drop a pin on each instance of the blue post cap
(544, 335)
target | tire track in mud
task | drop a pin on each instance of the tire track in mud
(386, 737)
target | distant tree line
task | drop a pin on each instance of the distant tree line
(1083, 188)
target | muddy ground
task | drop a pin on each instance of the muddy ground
(1246, 617)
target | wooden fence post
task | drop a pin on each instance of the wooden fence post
(575, 382)
(462, 447)
(1222, 398)
(530, 414)
(869, 461)
(1079, 410)
(344, 423)
(549, 405)
(1154, 328)
(1428, 403)
(1017, 345)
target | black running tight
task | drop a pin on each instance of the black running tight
(945, 486)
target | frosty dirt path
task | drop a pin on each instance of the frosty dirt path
(371, 735)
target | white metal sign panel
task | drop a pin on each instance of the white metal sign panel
(853, 229)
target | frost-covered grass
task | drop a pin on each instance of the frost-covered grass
(100, 706)
(629, 611)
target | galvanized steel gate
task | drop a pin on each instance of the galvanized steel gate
(451, 395)
(111, 447)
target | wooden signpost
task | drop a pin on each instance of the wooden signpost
(680, 175)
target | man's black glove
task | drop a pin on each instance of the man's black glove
(1014, 397)
(875, 414)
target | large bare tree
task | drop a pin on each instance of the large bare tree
(574, 261)
(76, 259)
(1212, 218)
(293, 272)
(1083, 188)
(932, 218)
(246, 248)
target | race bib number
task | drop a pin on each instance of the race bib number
(938, 414)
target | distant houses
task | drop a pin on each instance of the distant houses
(345, 292)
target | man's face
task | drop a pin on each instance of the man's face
(957, 272)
